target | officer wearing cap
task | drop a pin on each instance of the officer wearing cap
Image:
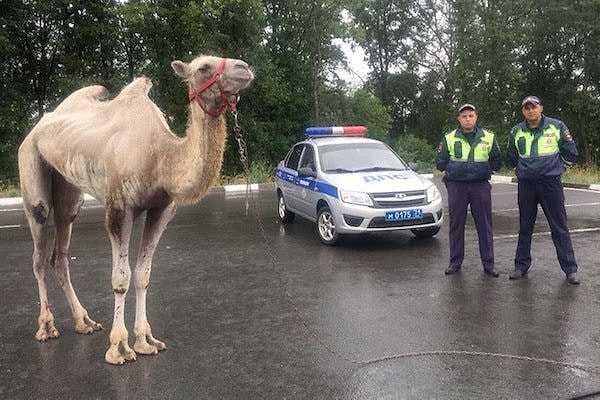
(467, 155)
(541, 148)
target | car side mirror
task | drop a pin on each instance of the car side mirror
(304, 171)
(414, 166)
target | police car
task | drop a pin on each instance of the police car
(349, 184)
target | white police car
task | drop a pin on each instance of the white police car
(347, 183)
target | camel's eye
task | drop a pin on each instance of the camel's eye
(204, 68)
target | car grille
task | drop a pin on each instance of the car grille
(399, 199)
(380, 222)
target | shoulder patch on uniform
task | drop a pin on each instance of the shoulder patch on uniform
(439, 148)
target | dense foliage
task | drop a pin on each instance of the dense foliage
(427, 56)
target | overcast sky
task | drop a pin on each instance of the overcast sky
(358, 67)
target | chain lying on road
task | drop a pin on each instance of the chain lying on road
(243, 151)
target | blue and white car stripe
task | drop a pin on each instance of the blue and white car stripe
(308, 183)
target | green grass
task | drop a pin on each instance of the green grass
(578, 174)
(582, 174)
(260, 172)
(9, 189)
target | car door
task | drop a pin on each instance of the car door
(290, 180)
(307, 197)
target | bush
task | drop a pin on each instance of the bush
(260, 172)
(417, 150)
(9, 188)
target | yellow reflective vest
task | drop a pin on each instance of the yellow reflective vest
(469, 162)
(545, 143)
(543, 152)
(459, 147)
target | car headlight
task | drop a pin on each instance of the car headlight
(359, 198)
(433, 193)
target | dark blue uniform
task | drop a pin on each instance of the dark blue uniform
(467, 182)
(540, 183)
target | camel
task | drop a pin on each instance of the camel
(123, 153)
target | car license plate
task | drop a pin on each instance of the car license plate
(403, 215)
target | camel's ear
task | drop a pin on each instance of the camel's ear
(180, 68)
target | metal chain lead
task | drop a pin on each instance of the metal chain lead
(243, 152)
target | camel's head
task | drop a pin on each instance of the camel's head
(214, 82)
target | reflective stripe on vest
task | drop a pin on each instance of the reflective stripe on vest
(481, 152)
(544, 143)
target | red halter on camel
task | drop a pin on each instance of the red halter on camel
(228, 99)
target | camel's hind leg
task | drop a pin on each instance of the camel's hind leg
(67, 200)
(156, 221)
(37, 216)
(36, 190)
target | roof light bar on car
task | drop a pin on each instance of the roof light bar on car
(336, 131)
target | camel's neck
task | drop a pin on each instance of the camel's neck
(199, 156)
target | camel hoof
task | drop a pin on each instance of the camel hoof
(144, 348)
(145, 343)
(43, 335)
(119, 360)
(90, 322)
(159, 345)
(113, 356)
(130, 355)
(87, 325)
(84, 329)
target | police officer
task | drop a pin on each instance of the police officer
(540, 148)
(467, 155)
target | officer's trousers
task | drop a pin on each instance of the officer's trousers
(478, 196)
(550, 195)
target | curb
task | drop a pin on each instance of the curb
(509, 179)
(256, 187)
(228, 189)
(502, 179)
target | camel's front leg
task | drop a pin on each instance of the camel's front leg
(119, 224)
(156, 222)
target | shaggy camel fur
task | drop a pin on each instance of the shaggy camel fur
(123, 153)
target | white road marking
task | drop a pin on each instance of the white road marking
(514, 193)
(581, 230)
(240, 188)
(9, 226)
(592, 189)
(539, 207)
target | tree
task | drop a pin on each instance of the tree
(427, 56)
(47, 49)
(382, 28)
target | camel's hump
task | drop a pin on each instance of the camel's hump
(83, 95)
(139, 86)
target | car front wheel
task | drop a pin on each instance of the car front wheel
(326, 226)
(284, 215)
(426, 232)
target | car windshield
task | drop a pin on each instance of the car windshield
(359, 157)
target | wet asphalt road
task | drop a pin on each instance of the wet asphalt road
(313, 323)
